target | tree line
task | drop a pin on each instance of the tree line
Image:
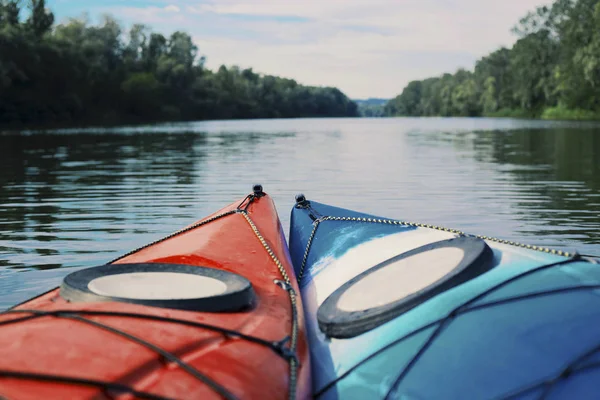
(552, 71)
(78, 73)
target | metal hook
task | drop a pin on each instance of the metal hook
(285, 286)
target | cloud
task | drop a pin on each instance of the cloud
(172, 8)
(335, 63)
(365, 48)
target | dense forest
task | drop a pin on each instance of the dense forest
(552, 71)
(77, 73)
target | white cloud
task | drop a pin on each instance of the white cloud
(365, 48)
(155, 17)
(172, 8)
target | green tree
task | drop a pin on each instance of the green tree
(496, 65)
(465, 96)
(408, 102)
(9, 12)
(40, 20)
(142, 94)
(157, 47)
(533, 62)
(489, 97)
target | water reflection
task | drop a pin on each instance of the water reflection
(557, 154)
(72, 198)
(560, 170)
(550, 177)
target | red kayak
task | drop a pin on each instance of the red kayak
(209, 312)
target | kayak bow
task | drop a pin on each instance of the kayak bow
(207, 312)
(403, 310)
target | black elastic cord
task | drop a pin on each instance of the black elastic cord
(590, 255)
(107, 386)
(312, 213)
(21, 319)
(167, 355)
(250, 198)
(529, 296)
(570, 373)
(275, 346)
(565, 373)
(373, 355)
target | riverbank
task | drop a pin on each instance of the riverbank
(107, 123)
(550, 113)
(558, 113)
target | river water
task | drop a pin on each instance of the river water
(78, 198)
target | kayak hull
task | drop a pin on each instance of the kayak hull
(171, 352)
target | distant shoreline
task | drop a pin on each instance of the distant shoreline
(137, 123)
(549, 114)
(4, 129)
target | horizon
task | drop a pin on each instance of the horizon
(366, 50)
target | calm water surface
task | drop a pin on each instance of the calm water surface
(78, 198)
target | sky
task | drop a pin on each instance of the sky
(366, 48)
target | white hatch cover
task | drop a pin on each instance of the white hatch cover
(401, 283)
(400, 278)
(177, 286)
(157, 286)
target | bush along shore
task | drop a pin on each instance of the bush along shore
(80, 74)
(551, 72)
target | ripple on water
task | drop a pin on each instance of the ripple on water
(76, 198)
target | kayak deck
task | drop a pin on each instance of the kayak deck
(523, 327)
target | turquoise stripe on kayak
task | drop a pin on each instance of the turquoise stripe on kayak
(331, 239)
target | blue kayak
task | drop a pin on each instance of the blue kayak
(398, 310)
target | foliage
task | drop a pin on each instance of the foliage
(570, 114)
(552, 71)
(80, 73)
(509, 113)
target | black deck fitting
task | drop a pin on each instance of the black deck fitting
(258, 190)
(301, 200)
